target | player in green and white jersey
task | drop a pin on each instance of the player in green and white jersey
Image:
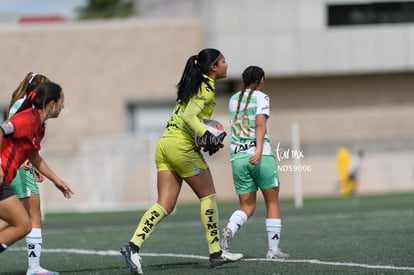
(25, 185)
(253, 162)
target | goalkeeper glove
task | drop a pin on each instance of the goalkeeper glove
(212, 143)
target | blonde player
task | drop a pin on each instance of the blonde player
(20, 138)
(25, 185)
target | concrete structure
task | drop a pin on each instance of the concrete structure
(292, 37)
(343, 86)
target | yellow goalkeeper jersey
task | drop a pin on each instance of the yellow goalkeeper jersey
(185, 121)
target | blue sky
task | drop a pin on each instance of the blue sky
(41, 7)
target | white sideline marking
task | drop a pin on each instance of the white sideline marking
(312, 261)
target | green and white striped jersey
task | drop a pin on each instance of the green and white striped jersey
(243, 126)
(16, 106)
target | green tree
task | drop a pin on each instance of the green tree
(106, 9)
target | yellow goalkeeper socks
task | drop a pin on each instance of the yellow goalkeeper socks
(210, 221)
(148, 223)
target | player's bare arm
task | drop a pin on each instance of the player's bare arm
(260, 134)
(40, 164)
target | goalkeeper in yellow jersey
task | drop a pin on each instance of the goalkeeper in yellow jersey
(178, 158)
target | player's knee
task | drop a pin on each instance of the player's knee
(25, 227)
(167, 206)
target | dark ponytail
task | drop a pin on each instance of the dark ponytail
(192, 77)
(251, 78)
(41, 96)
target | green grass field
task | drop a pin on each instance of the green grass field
(364, 235)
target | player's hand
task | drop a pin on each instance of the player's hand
(26, 165)
(38, 176)
(64, 188)
(255, 158)
(213, 149)
(213, 143)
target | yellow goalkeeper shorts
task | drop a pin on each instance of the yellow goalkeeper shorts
(180, 156)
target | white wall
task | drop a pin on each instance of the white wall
(290, 37)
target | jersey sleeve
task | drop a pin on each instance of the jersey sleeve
(263, 105)
(195, 106)
(22, 125)
(191, 119)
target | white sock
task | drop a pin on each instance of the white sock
(34, 247)
(236, 221)
(273, 228)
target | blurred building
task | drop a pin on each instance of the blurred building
(340, 70)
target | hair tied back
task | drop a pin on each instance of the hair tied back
(32, 95)
(33, 76)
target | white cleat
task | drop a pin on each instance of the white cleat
(276, 255)
(40, 271)
(132, 259)
(225, 258)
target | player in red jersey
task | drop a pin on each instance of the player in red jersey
(20, 138)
